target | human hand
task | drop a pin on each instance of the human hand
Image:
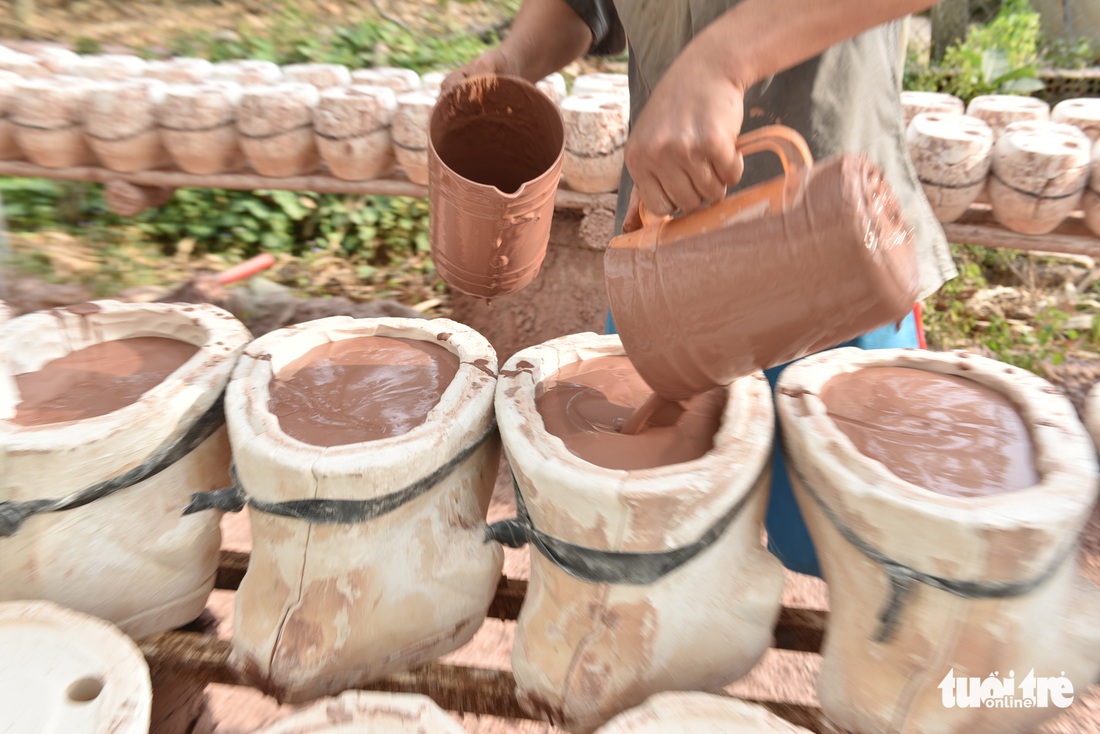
(682, 151)
(493, 61)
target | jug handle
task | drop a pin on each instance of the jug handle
(793, 153)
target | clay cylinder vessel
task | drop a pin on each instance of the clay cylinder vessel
(698, 713)
(47, 117)
(432, 81)
(1090, 201)
(596, 126)
(921, 638)
(143, 565)
(352, 128)
(1001, 110)
(24, 65)
(53, 58)
(363, 711)
(1039, 173)
(553, 86)
(69, 672)
(9, 144)
(392, 77)
(588, 645)
(916, 103)
(332, 602)
(275, 124)
(321, 76)
(410, 133)
(952, 154)
(1092, 414)
(495, 152)
(104, 67)
(179, 70)
(601, 83)
(1083, 113)
(773, 273)
(120, 122)
(198, 126)
(247, 72)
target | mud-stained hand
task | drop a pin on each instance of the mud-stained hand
(493, 61)
(682, 151)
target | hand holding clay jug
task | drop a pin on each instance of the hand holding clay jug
(496, 145)
(781, 270)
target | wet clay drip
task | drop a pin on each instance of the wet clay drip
(490, 137)
(361, 389)
(97, 380)
(586, 403)
(943, 433)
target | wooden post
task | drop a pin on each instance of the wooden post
(949, 23)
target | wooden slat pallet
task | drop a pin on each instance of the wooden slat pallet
(204, 658)
(976, 227)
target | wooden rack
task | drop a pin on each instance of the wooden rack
(203, 658)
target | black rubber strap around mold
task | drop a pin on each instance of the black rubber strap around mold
(14, 514)
(903, 579)
(607, 567)
(331, 511)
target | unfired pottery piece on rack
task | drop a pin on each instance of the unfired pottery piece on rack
(1092, 414)
(9, 145)
(392, 77)
(1090, 202)
(1001, 110)
(53, 58)
(275, 124)
(601, 82)
(247, 72)
(363, 712)
(596, 127)
(120, 122)
(698, 713)
(47, 116)
(69, 673)
(1082, 113)
(179, 70)
(410, 133)
(1039, 173)
(104, 67)
(352, 128)
(198, 125)
(432, 81)
(952, 154)
(915, 103)
(553, 86)
(321, 76)
(25, 66)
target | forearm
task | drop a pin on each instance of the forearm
(759, 38)
(546, 35)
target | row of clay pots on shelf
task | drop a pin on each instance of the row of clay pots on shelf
(219, 118)
(1037, 166)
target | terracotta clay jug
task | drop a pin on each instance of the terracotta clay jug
(496, 145)
(778, 271)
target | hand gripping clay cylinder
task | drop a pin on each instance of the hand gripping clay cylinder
(596, 126)
(946, 495)
(66, 672)
(1040, 172)
(366, 451)
(94, 399)
(1001, 110)
(47, 117)
(276, 127)
(952, 154)
(495, 147)
(410, 133)
(352, 128)
(600, 629)
(698, 713)
(358, 712)
(916, 103)
(120, 122)
(198, 125)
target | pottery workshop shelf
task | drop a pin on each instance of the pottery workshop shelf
(134, 192)
(203, 658)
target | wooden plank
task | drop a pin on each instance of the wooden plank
(481, 691)
(977, 227)
(321, 183)
(798, 629)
